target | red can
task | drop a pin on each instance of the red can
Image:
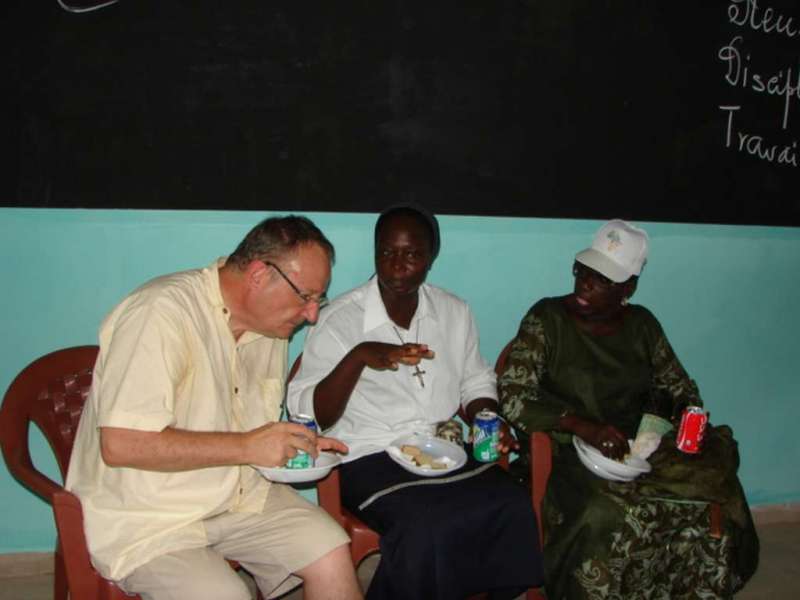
(691, 430)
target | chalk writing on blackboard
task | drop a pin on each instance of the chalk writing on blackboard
(745, 70)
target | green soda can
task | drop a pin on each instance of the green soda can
(302, 460)
(486, 436)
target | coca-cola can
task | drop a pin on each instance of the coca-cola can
(691, 430)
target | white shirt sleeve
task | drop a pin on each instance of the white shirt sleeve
(479, 379)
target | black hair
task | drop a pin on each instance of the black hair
(416, 211)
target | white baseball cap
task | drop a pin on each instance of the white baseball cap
(619, 251)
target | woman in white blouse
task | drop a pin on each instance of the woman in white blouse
(395, 356)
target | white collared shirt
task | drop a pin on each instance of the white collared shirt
(387, 404)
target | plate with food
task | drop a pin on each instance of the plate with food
(607, 468)
(322, 466)
(426, 455)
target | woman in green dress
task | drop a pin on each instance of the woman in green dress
(590, 364)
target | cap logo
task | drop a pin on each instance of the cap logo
(614, 240)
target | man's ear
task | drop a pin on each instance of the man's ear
(257, 273)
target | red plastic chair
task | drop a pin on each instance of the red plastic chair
(363, 540)
(50, 392)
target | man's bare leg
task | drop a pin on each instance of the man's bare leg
(331, 577)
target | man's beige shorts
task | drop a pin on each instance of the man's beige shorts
(290, 534)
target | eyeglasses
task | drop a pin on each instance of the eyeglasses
(306, 298)
(581, 270)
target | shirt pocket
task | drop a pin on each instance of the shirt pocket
(264, 402)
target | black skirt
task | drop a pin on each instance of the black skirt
(445, 539)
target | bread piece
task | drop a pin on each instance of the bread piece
(410, 450)
(423, 459)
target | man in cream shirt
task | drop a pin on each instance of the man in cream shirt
(187, 395)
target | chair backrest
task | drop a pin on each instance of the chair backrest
(49, 392)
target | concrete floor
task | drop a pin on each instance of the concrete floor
(777, 578)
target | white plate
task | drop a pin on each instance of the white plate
(632, 465)
(597, 469)
(322, 466)
(608, 468)
(451, 454)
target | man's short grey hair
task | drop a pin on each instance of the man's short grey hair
(277, 237)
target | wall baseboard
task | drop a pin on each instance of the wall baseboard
(25, 564)
(776, 513)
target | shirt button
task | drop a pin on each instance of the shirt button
(225, 310)
(236, 390)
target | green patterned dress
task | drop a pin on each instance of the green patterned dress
(648, 538)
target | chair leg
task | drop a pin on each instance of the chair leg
(715, 520)
(60, 588)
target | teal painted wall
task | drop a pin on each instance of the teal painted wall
(725, 295)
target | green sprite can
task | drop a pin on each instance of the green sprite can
(486, 436)
(302, 460)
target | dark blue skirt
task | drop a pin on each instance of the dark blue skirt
(446, 541)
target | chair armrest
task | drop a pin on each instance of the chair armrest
(715, 520)
(541, 453)
(23, 470)
(364, 540)
(81, 577)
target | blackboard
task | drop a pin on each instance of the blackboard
(683, 111)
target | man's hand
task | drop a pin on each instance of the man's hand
(271, 445)
(378, 355)
(326, 443)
